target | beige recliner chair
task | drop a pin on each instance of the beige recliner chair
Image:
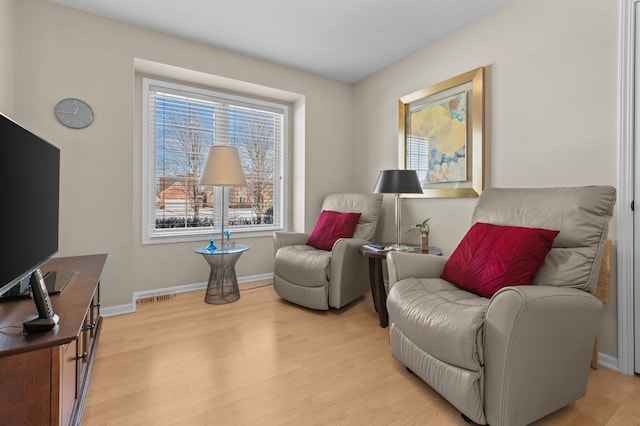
(319, 279)
(524, 353)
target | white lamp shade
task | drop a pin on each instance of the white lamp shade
(223, 167)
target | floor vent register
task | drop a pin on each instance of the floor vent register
(155, 298)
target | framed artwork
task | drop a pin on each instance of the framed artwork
(441, 136)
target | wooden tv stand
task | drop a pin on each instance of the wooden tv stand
(44, 377)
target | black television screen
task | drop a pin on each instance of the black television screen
(30, 186)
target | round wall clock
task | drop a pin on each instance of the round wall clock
(74, 113)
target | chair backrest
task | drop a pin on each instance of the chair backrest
(581, 214)
(369, 205)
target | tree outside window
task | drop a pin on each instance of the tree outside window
(182, 124)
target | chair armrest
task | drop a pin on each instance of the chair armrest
(349, 272)
(537, 347)
(344, 245)
(281, 239)
(403, 265)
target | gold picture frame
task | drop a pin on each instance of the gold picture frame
(441, 136)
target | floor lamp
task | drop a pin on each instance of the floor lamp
(222, 168)
(398, 182)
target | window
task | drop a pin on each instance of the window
(180, 123)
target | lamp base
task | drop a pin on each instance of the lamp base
(398, 247)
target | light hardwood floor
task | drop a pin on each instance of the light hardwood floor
(263, 361)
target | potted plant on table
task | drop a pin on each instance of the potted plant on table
(422, 229)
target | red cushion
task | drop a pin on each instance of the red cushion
(330, 227)
(490, 257)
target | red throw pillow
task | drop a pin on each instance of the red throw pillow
(490, 257)
(330, 227)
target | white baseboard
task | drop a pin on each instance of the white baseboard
(608, 361)
(130, 308)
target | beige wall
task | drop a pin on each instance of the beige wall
(551, 102)
(7, 57)
(63, 53)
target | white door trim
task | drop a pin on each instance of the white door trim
(625, 243)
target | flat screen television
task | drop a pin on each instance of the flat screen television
(30, 191)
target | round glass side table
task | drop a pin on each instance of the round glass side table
(223, 284)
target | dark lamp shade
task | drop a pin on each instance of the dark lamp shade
(398, 182)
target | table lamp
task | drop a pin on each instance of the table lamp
(398, 182)
(222, 168)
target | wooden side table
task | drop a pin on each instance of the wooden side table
(376, 278)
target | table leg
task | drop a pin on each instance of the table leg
(374, 286)
(382, 294)
(223, 284)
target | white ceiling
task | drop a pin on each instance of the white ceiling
(345, 40)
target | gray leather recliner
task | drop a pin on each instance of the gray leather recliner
(524, 353)
(320, 279)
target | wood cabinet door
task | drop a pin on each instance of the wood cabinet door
(25, 389)
(68, 380)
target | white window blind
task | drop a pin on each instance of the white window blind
(181, 124)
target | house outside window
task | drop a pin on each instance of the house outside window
(180, 123)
